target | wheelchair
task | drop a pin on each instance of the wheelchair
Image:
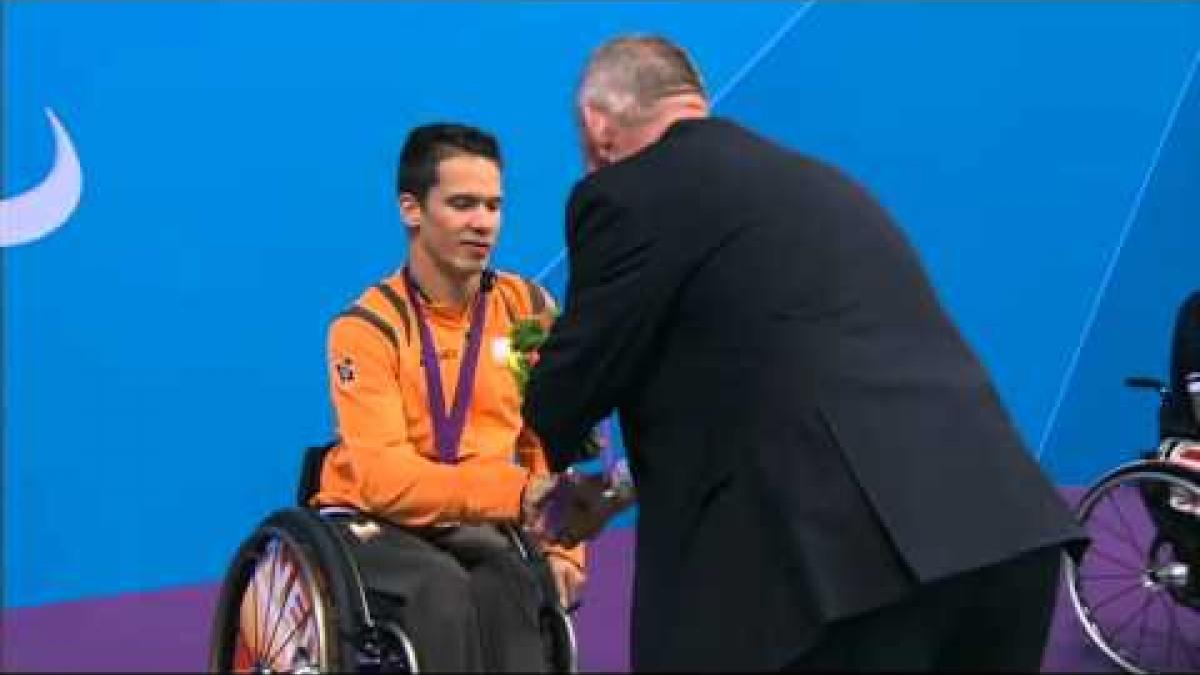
(293, 600)
(1136, 589)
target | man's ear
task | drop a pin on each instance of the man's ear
(599, 133)
(410, 211)
(595, 122)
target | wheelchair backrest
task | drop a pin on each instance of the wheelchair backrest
(310, 472)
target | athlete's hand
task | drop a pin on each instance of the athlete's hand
(568, 579)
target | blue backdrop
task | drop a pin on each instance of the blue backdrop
(163, 350)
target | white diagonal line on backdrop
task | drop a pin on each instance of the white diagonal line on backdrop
(1130, 219)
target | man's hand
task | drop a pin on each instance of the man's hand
(580, 505)
(568, 579)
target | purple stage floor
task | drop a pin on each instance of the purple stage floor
(167, 631)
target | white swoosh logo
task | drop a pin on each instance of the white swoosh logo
(42, 209)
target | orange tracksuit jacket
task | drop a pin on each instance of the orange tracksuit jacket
(386, 462)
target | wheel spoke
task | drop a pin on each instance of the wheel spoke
(1115, 535)
(1189, 648)
(1124, 564)
(301, 620)
(276, 548)
(1124, 523)
(1138, 612)
(1109, 577)
(1119, 594)
(1170, 633)
(1142, 632)
(280, 601)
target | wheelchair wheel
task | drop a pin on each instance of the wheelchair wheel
(561, 649)
(558, 630)
(1135, 588)
(275, 612)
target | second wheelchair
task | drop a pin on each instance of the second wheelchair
(1137, 588)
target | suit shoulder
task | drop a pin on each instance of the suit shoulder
(592, 186)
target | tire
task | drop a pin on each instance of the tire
(287, 582)
(1135, 587)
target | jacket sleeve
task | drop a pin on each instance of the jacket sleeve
(604, 336)
(394, 479)
(530, 454)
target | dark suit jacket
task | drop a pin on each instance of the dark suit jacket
(810, 436)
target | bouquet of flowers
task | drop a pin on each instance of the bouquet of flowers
(580, 503)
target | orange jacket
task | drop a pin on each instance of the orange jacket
(386, 462)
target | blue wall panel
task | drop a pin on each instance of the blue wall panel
(163, 350)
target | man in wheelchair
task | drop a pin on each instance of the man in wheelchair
(433, 460)
(1179, 409)
(1136, 590)
(1174, 509)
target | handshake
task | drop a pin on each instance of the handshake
(573, 506)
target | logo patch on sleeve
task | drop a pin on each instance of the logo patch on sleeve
(346, 372)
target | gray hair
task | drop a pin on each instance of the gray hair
(627, 75)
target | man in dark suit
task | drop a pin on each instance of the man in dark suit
(826, 476)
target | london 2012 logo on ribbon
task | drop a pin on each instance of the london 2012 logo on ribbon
(44, 208)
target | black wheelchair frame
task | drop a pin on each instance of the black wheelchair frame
(317, 603)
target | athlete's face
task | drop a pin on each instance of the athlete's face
(456, 225)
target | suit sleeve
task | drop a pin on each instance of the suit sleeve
(530, 453)
(603, 337)
(394, 479)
